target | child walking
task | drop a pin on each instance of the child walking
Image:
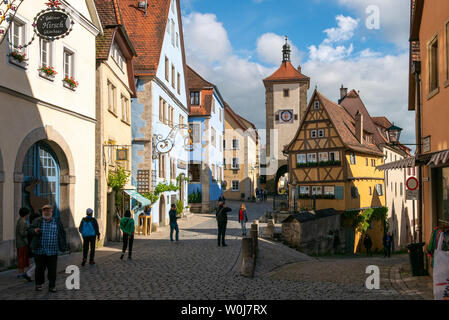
(243, 218)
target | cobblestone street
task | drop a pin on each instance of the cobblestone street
(196, 269)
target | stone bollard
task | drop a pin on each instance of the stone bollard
(248, 265)
(268, 232)
(255, 237)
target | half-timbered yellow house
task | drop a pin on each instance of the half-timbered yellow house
(332, 163)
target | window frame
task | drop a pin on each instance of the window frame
(49, 53)
(68, 52)
(237, 182)
(433, 65)
(195, 98)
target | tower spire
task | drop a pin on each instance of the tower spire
(286, 51)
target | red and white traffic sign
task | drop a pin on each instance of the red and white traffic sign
(412, 184)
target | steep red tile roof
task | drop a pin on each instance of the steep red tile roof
(110, 18)
(286, 72)
(146, 32)
(353, 104)
(195, 81)
(382, 122)
(108, 11)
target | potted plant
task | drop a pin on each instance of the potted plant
(70, 82)
(18, 56)
(47, 72)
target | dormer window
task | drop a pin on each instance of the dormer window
(117, 55)
(316, 105)
(195, 98)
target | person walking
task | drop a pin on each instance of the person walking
(387, 244)
(22, 244)
(173, 214)
(265, 195)
(90, 232)
(32, 269)
(368, 243)
(243, 218)
(128, 227)
(222, 221)
(49, 238)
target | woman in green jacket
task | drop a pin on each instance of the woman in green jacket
(127, 226)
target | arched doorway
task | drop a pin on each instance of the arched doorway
(41, 178)
(281, 182)
(55, 150)
(162, 211)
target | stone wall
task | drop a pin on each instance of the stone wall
(321, 236)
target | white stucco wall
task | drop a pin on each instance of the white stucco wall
(70, 113)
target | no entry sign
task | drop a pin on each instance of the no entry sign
(412, 184)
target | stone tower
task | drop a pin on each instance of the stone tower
(286, 103)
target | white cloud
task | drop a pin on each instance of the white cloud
(394, 17)
(326, 52)
(206, 37)
(269, 47)
(345, 30)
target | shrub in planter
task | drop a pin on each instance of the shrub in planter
(21, 57)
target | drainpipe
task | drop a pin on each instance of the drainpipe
(417, 67)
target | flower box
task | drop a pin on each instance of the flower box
(18, 58)
(47, 73)
(70, 83)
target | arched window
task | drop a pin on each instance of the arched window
(41, 178)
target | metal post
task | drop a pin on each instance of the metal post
(419, 153)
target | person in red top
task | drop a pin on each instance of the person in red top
(243, 218)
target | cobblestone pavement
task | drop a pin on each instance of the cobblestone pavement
(196, 269)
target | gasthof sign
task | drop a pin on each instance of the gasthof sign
(53, 24)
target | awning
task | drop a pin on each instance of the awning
(401, 164)
(439, 158)
(138, 197)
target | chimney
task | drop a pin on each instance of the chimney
(299, 69)
(359, 127)
(343, 92)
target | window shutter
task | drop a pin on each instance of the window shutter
(339, 193)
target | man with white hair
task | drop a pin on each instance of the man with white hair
(49, 238)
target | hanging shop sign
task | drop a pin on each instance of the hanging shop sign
(53, 23)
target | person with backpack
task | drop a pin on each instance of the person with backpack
(90, 232)
(128, 227)
(222, 221)
(243, 218)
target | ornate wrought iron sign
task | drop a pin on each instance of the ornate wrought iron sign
(163, 145)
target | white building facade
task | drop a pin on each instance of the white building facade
(47, 127)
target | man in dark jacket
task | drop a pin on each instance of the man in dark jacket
(222, 220)
(173, 214)
(90, 232)
(368, 243)
(49, 238)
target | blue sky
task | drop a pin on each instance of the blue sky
(237, 43)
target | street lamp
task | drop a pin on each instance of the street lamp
(394, 133)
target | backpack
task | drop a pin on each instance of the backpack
(88, 229)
